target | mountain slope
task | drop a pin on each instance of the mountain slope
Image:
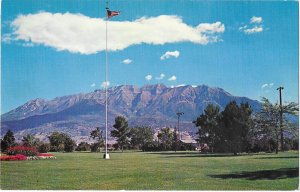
(152, 105)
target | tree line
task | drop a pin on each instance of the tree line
(236, 129)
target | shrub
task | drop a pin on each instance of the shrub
(27, 151)
(44, 148)
(18, 157)
(69, 145)
(95, 147)
(83, 146)
(59, 148)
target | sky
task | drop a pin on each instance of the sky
(53, 48)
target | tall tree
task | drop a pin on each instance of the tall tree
(165, 137)
(209, 125)
(30, 141)
(235, 125)
(97, 134)
(141, 137)
(121, 131)
(268, 121)
(8, 140)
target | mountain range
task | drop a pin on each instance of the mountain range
(151, 105)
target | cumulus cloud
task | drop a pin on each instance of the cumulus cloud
(105, 84)
(93, 84)
(78, 33)
(148, 77)
(169, 54)
(253, 27)
(173, 78)
(255, 19)
(161, 76)
(267, 85)
(127, 61)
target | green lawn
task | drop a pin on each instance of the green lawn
(154, 171)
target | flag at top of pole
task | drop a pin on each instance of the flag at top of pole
(112, 13)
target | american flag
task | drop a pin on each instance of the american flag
(112, 13)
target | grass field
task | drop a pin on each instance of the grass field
(154, 171)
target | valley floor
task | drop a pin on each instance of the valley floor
(154, 171)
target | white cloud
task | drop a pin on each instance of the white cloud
(169, 54)
(267, 85)
(161, 76)
(127, 61)
(194, 86)
(148, 77)
(78, 33)
(180, 85)
(255, 29)
(255, 19)
(6, 38)
(93, 84)
(173, 78)
(105, 84)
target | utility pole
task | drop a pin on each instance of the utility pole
(178, 117)
(281, 112)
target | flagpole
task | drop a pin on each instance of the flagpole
(106, 86)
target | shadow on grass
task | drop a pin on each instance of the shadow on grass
(192, 154)
(282, 173)
(287, 157)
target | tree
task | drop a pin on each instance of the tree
(30, 141)
(69, 144)
(141, 137)
(83, 146)
(8, 140)
(121, 131)
(267, 122)
(44, 147)
(61, 142)
(97, 134)
(209, 125)
(235, 125)
(165, 137)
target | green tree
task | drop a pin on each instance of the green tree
(267, 121)
(97, 134)
(69, 144)
(165, 137)
(8, 140)
(30, 141)
(61, 142)
(83, 146)
(121, 131)
(141, 137)
(235, 125)
(209, 126)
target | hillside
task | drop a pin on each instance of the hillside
(151, 105)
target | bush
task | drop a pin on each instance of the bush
(69, 145)
(83, 146)
(27, 151)
(18, 157)
(95, 147)
(44, 148)
(59, 148)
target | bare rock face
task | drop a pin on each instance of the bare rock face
(150, 105)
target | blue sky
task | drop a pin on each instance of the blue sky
(52, 48)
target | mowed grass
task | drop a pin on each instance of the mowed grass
(154, 171)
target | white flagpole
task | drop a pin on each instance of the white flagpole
(106, 87)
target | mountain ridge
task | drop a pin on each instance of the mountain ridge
(151, 105)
